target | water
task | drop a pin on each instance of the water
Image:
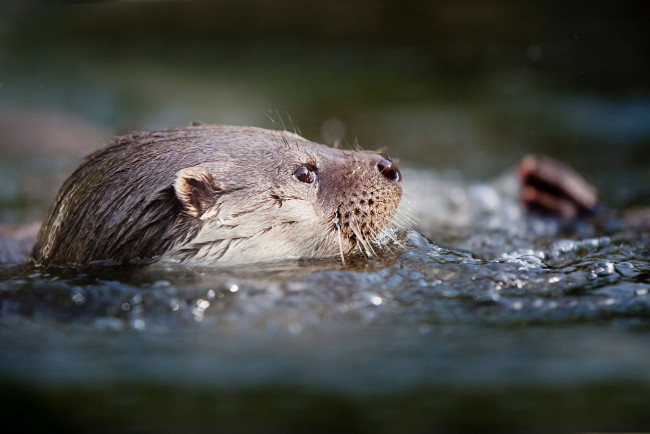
(519, 314)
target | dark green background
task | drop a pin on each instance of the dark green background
(467, 85)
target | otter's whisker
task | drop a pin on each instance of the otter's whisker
(387, 232)
(396, 241)
(368, 245)
(338, 230)
(397, 225)
(403, 220)
(284, 140)
(357, 146)
(281, 120)
(363, 241)
(296, 130)
(359, 239)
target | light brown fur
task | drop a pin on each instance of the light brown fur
(219, 194)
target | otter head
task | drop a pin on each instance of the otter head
(207, 194)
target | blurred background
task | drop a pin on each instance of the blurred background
(470, 86)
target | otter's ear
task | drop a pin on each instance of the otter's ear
(195, 189)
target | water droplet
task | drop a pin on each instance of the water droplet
(78, 298)
(138, 324)
(602, 269)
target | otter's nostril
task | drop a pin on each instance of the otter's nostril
(388, 169)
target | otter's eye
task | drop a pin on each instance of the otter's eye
(305, 173)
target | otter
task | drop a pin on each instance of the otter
(209, 194)
(548, 186)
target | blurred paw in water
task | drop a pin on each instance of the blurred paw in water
(551, 187)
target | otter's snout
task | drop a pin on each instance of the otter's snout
(388, 170)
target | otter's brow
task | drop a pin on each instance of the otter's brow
(311, 161)
(286, 142)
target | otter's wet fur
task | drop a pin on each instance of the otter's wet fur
(210, 194)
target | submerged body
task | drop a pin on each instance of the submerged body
(208, 194)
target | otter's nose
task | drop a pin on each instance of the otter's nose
(388, 169)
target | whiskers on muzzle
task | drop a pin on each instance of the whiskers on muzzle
(383, 234)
